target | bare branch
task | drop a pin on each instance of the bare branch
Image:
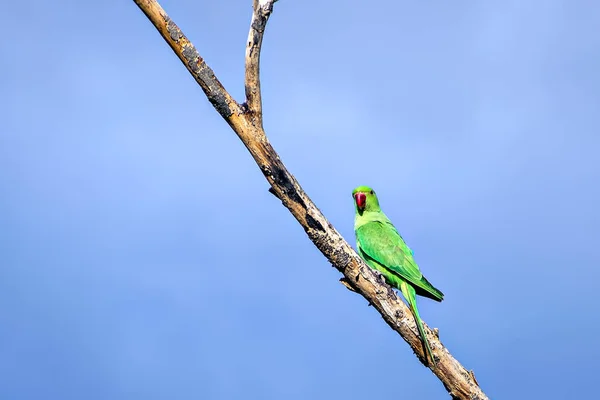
(189, 56)
(458, 381)
(261, 11)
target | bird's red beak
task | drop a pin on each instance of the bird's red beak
(360, 199)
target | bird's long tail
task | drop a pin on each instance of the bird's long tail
(409, 293)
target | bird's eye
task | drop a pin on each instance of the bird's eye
(371, 192)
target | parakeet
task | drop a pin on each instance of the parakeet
(381, 246)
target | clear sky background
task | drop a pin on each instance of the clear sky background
(143, 258)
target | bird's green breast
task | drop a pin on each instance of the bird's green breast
(369, 216)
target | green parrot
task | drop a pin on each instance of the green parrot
(383, 249)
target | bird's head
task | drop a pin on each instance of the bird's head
(365, 199)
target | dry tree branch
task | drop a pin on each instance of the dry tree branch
(246, 121)
(260, 16)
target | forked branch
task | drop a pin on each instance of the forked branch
(246, 121)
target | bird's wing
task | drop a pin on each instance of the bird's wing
(383, 243)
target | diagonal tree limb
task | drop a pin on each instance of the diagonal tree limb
(458, 381)
(229, 109)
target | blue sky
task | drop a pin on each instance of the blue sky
(141, 256)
